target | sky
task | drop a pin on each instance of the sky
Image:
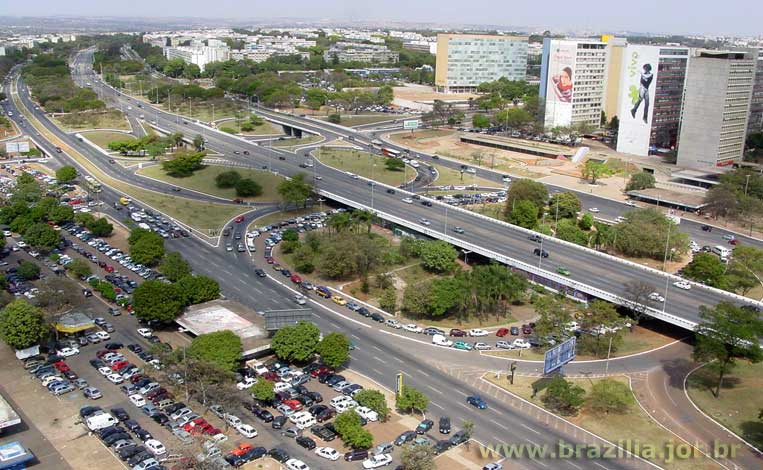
(734, 17)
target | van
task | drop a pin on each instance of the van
(100, 421)
(722, 251)
(441, 340)
(304, 422)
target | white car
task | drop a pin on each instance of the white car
(656, 297)
(367, 413)
(116, 379)
(481, 346)
(137, 400)
(246, 431)
(105, 371)
(145, 332)
(595, 210)
(66, 352)
(682, 285)
(504, 345)
(281, 387)
(477, 332)
(246, 383)
(155, 447)
(521, 343)
(407, 200)
(259, 368)
(425, 222)
(413, 328)
(377, 461)
(103, 335)
(296, 464)
(327, 453)
(393, 323)
(630, 203)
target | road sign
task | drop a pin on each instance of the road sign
(277, 319)
(399, 384)
(12, 147)
(559, 355)
(411, 124)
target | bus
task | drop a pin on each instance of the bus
(93, 184)
(376, 143)
(392, 153)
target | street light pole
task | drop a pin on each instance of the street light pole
(665, 268)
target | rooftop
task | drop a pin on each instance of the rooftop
(689, 201)
(219, 315)
(8, 416)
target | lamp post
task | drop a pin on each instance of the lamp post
(373, 183)
(665, 268)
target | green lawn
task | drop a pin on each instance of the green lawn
(740, 399)
(351, 120)
(110, 119)
(448, 176)
(361, 163)
(292, 142)
(204, 181)
(266, 128)
(103, 138)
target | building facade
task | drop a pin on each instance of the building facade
(464, 61)
(573, 81)
(200, 56)
(353, 52)
(716, 107)
(756, 104)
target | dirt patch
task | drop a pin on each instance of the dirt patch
(469, 456)
(428, 93)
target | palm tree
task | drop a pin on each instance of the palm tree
(363, 217)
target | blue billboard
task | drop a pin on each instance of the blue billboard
(559, 355)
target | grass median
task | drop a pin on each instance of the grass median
(104, 138)
(362, 164)
(109, 119)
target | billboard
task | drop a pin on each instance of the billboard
(411, 124)
(559, 355)
(636, 102)
(560, 83)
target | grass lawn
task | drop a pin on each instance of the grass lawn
(104, 138)
(361, 163)
(267, 128)
(740, 399)
(291, 142)
(110, 119)
(633, 426)
(449, 176)
(406, 138)
(351, 120)
(204, 181)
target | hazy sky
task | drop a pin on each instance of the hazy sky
(733, 17)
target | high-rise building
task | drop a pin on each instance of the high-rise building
(716, 107)
(464, 61)
(572, 82)
(756, 104)
(200, 56)
(650, 93)
(615, 50)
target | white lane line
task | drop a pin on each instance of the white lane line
(538, 462)
(574, 465)
(355, 336)
(459, 391)
(600, 465)
(434, 389)
(377, 348)
(529, 428)
(533, 442)
(379, 359)
(498, 424)
(435, 404)
(398, 359)
(378, 372)
(421, 372)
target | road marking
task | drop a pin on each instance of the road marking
(464, 405)
(498, 424)
(377, 348)
(378, 372)
(529, 428)
(420, 371)
(600, 465)
(538, 462)
(533, 442)
(434, 389)
(379, 359)
(398, 359)
(435, 404)
(574, 465)
(353, 335)
(459, 391)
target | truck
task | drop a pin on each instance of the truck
(124, 200)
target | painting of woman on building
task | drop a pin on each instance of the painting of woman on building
(563, 88)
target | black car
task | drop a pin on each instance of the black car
(325, 415)
(112, 438)
(127, 452)
(86, 411)
(316, 396)
(377, 317)
(139, 457)
(305, 400)
(323, 433)
(278, 422)
(279, 454)
(132, 425)
(142, 434)
(444, 425)
(235, 460)
(333, 380)
(391, 191)
(364, 311)
(541, 253)
(265, 415)
(120, 414)
(106, 432)
(458, 438)
(431, 331)
(174, 407)
(254, 453)
(305, 442)
(405, 437)
(96, 363)
(354, 455)
(424, 426)
(441, 446)
(161, 418)
(707, 228)
(323, 378)
(114, 346)
(259, 272)
(316, 409)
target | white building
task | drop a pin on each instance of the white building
(200, 56)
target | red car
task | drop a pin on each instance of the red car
(269, 260)
(242, 449)
(527, 330)
(119, 365)
(61, 366)
(135, 378)
(502, 332)
(109, 268)
(239, 219)
(457, 332)
(734, 242)
(212, 431)
(102, 353)
(293, 404)
(322, 370)
(296, 279)
(155, 392)
(272, 376)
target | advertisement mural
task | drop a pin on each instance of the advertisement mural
(560, 84)
(635, 110)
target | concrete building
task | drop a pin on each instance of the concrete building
(716, 107)
(421, 46)
(755, 123)
(353, 52)
(615, 51)
(650, 93)
(200, 56)
(572, 82)
(464, 61)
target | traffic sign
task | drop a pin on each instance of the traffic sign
(411, 124)
(399, 384)
(559, 355)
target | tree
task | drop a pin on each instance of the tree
(604, 325)
(352, 433)
(411, 399)
(296, 190)
(727, 333)
(146, 247)
(247, 187)
(563, 397)
(263, 390)
(197, 289)
(707, 269)
(198, 143)
(222, 348)
(480, 121)
(593, 170)
(528, 190)
(61, 214)
(569, 231)
(388, 300)
(524, 213)
(22, 325)
(418, 457)
(297, 342)
(610, 396)
(375, 400)
(42, 236)
(66, 174)
(564, 205)
(586, 222)
(639, 181)
(184, 164)
(174, 267)
(438, 256)
(722, 201)
(334, 349)
(747, 260)
(394, 164)
(335, 118)
(28, 270)
(513, 118)
(157, 300)
(80, 268)
(227, 179)
(644, 234)
(555, 317)
(101, 227)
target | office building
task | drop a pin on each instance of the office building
(352, 52)
(464, 61)
(615, 50)
(651, 87)
(756, 103)
(199, 55)
(572, 82)
(716, 107)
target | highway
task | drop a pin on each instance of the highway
(378, 356)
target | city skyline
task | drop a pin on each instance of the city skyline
(588, 15)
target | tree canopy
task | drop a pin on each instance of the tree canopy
(157, 300)
(222, 348)
(22, 324)
(297, 342)
(296, 190)
(334, 349)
